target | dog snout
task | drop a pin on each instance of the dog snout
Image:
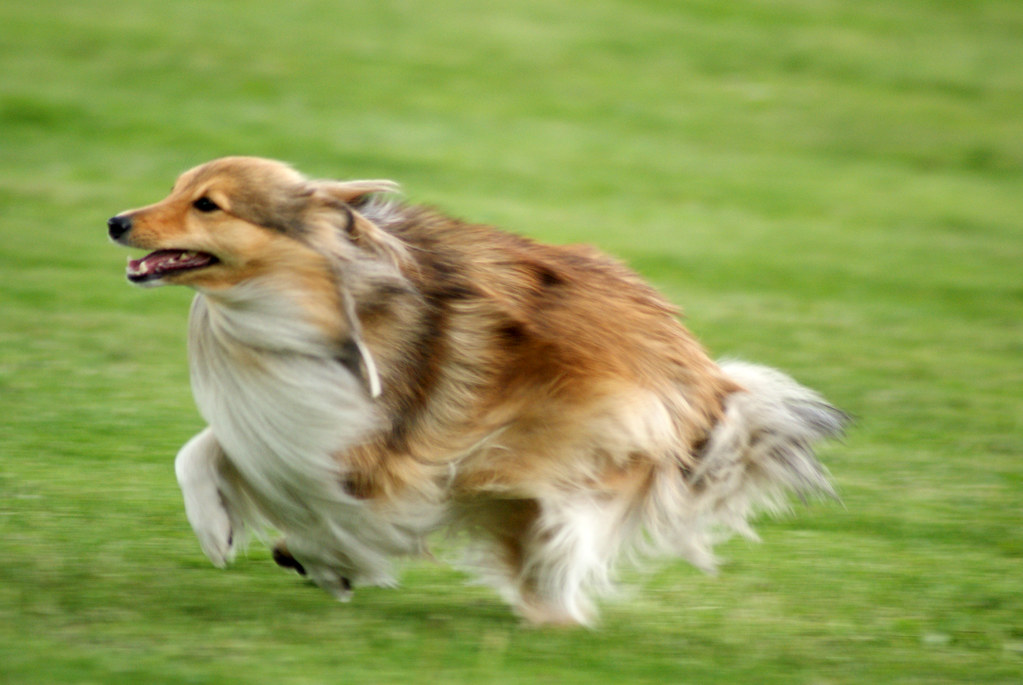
(118, 226)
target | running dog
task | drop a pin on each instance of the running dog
(372, 371)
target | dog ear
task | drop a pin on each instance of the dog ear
(337, 198)
(354, 353)
(352, 191)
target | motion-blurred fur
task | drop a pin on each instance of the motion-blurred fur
(373, 371)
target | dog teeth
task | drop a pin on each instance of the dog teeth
(162, 260)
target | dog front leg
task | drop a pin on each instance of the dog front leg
(197, 468)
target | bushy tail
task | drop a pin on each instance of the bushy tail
(760, 451)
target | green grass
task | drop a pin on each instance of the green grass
(834, 188)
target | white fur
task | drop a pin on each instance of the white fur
(573, 554)
(281, 409)
(761, 450)
(197, 468)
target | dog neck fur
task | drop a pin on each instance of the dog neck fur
(265, 379)
(284, 410)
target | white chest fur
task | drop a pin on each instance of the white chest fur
(280, 405)
(283, 410)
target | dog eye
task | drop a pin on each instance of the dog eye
(204, 204)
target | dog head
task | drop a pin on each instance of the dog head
(236, 218)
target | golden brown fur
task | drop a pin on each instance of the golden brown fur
(542, 398)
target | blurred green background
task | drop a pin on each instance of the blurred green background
(834, 188)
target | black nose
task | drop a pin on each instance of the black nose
(119, 225)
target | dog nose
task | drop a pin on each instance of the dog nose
(118, 225)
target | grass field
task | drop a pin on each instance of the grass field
(834, 188)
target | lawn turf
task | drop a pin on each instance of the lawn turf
(832, 188)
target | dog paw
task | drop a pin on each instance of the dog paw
(216, 537)
(329, 580)
(325, 577)
(339, 587)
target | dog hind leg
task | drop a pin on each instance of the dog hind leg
(567, 557)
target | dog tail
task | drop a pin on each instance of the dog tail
(761, 450)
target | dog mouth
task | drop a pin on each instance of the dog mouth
(163, 262)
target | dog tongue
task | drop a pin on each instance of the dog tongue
(164, 261)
